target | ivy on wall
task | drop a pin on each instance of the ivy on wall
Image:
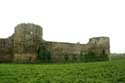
(91, 56)
(44, 54)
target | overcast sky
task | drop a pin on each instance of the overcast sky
(68, 20)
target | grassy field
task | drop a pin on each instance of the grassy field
(97, 72)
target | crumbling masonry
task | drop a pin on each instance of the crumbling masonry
(27, 45)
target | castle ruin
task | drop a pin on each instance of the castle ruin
(27, 45)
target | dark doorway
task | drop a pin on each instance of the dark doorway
(103, 52)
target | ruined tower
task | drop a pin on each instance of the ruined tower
(100, 47)
(27, 38)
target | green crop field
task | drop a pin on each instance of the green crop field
(96, 72)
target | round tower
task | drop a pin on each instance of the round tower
(100, 46)
(27, 38)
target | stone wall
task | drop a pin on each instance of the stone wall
(6, 52)
(25, 57)
(98, 45)
(26, 44)
(58, 50)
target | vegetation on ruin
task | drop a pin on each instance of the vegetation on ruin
(91, 57)
(44, 55)
(82, 56)
(66, 57)
(96, 72)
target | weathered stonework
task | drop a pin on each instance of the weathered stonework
(26, 44)
(27, 38)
